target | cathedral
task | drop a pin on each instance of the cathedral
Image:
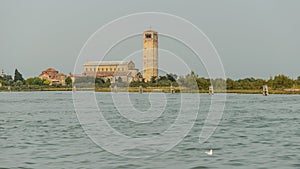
(126, 69)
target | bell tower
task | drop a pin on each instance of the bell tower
(150, 55)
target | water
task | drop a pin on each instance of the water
(41, 130)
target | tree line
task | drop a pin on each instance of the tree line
(18, 80)
(190, 80)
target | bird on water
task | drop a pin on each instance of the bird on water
(210, 152)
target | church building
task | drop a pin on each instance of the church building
(112, 70)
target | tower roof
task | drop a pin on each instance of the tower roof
(150, 30)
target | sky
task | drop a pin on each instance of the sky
(253, 38)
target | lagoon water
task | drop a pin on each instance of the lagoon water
(41, 130)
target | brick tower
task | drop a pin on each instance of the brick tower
(150, 55)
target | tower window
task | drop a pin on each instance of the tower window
(148, 35)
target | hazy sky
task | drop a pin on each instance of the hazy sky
(253, 37)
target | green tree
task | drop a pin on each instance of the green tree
(230, 84)
(18, 76)
(37, 81)
(99, 82)
(120, 80)
(282, 81)
(46, 82)
(1, 82)
(29, 81)
(189, 81)
(270, 82)
(203, 83)
(8, 80)
(18, 83)
(68, 81)
(258, 83)
(153, 80)
(219, 83)
(298, 80)
(107, 83)
(171, 77)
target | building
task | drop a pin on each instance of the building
(112, 70)
(6, 78)
(2, 74)
(150, 55)
(53, 76)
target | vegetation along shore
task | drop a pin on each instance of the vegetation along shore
(279, 84)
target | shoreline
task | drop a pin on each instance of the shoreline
(150, 89)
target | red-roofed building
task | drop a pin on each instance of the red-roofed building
(53, 76)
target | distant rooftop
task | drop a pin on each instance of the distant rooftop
(50, 70)
(99, 63)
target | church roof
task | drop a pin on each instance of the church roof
(50, 70)
(104, 63)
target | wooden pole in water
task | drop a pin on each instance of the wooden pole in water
(140, 89)
(172, 89)
(265, 90)
(211, 90)
(115, 88)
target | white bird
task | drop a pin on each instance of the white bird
(210, 152)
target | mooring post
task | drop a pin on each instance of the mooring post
(140, 89)
(211, 90)
(172, 89)
(265, 90)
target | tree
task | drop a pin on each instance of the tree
(18, 83)
(203, 83)
(171, 77)
(37, 81)
(120, 80)
(29, 81)
(68, 81)
(230, 84)
(219, 83)
(298, 80)
(270, 82)
(8, 80)
(18, 76)
(46, 82)
(153, 79)
(282, 81)
(107, 83)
